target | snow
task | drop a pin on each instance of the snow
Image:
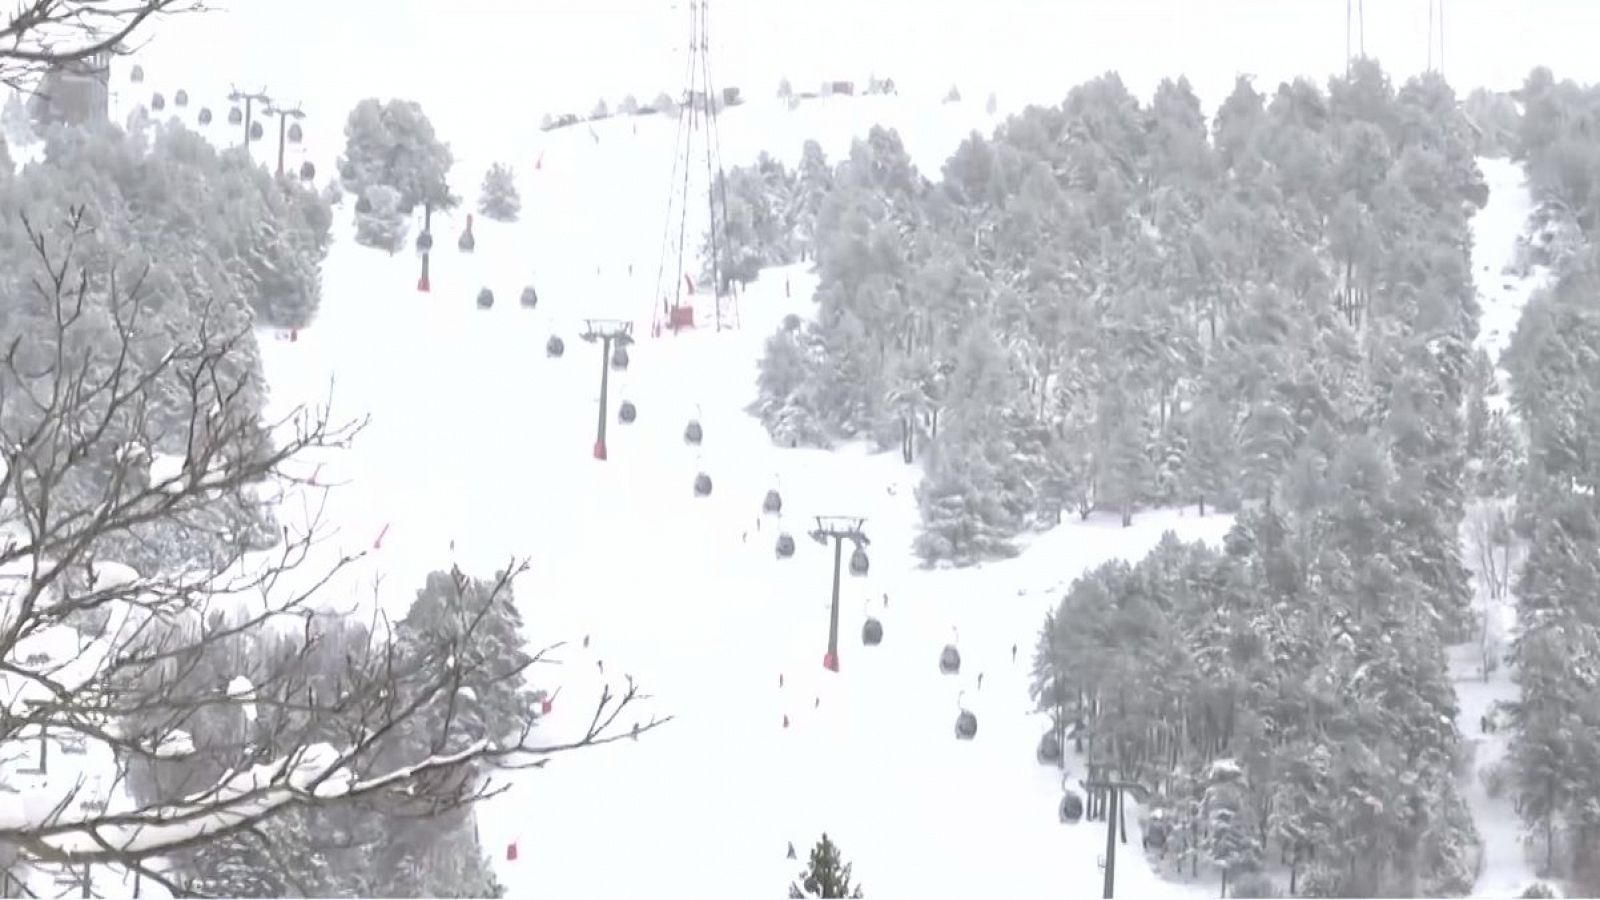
(240, 688)
(167, 469)
(1495, 231)
(480, 443)
(174, 745)
(113, 575)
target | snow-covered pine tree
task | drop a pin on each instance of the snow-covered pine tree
(814, 181)
(1208, 474)
(479, 621)
(278, 858)
(1231, 841)
(826, 875)
(968, 513)
(787, 403)
(1124, 471)
(393, 143)
(383, 226)
(499, 199)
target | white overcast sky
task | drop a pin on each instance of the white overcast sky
(523, 58)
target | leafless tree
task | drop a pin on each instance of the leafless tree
(40, 34)
(120, 667)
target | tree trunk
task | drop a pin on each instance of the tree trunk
(1549, 841)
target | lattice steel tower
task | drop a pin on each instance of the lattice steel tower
(696, 172)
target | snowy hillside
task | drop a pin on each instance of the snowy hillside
(480, 442)
(478, 451)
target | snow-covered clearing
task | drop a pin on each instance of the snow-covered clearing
(1506, 866)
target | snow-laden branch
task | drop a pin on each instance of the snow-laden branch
(40, 34)
(221, 671)
(317, 773)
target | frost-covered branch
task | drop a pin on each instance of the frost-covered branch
(149, 709)
(39, 34)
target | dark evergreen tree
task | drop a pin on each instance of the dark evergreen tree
(826, 874)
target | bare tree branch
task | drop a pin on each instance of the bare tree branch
(223, 682)
(42, 34)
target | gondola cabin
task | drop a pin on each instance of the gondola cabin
(871, 632)
(966, 725)
(950, 660)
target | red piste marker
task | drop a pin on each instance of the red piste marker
(378, 544)
(511, 852)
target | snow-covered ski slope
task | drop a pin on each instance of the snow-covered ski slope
(478, 438)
